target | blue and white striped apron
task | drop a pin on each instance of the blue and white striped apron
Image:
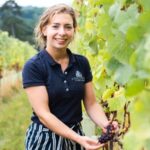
(38, 137)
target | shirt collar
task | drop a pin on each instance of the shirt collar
(53, 62)
(71, 56)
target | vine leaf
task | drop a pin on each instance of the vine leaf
(134, 87)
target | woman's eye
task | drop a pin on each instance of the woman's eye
(55, 27)
(69, 27)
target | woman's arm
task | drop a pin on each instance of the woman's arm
(38, 99)
(94, 110)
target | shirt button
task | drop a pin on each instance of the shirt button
(67, 89)
(65, 81)
(65, 73)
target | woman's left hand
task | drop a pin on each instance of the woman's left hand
(115, 126)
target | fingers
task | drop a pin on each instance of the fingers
(92, 144)
(115, 125)
(94, 147)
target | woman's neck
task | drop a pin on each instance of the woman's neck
(57, 54)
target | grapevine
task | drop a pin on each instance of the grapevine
(110, 136)
(115, 36)
(13, 53)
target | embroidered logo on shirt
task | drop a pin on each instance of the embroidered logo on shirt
(78, 76)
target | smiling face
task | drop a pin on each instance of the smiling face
(59, 31)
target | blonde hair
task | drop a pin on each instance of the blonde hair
(46, 18)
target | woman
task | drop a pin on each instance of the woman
(56, 80)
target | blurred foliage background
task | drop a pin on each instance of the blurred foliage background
(113, 34)
(19, 21)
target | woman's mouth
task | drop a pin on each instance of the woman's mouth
(61, 41)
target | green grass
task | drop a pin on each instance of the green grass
(15, 115)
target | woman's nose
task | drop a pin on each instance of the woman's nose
(62, 31)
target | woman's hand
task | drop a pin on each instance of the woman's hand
(115, 126)
(89, 143)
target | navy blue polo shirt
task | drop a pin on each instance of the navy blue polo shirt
(65, 89)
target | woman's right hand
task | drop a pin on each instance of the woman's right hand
(89, 143)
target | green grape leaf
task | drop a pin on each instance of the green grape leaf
(93, 45)
(142, 74)
(114, 10)
(134, 34)
(133, 59)
(108, 93)
(119, 48)
(117, 103)
(123, 74)
(106, 1)
(112, 65)
(134, 87)
(144, 19)
(145, 4)
(147, 43)
(102, 20)
(124, 19)
(139, 106)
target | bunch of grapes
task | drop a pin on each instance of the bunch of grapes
(108, 135)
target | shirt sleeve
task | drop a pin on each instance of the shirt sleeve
(32, 75)
(87, 70)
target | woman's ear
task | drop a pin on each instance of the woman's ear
(44, 30)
